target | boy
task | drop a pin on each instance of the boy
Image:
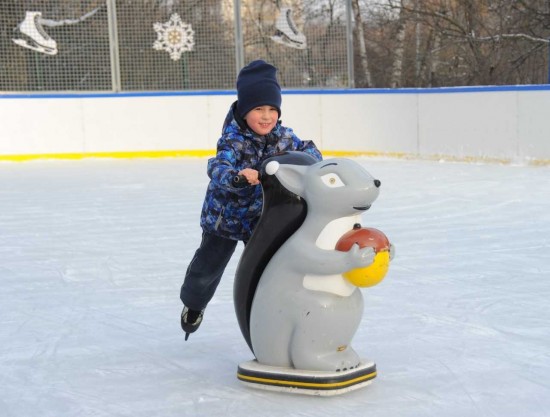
(251, 133)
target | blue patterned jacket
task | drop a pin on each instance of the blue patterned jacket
(233, 212)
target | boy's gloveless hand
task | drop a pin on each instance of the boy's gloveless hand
(251, 175)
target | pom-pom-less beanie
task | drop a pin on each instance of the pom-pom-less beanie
(257, 86)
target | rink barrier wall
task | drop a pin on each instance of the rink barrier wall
(503, 124)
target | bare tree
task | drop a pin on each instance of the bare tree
(359, 34)
(399, 46)
(481, 42)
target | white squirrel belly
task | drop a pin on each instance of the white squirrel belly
(334, 284)
(333, 231)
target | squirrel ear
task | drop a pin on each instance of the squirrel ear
(292, 178)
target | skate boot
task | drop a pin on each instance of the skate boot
(32, 35)
(286, 32)
(190, 320)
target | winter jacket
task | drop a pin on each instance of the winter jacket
(233, 212)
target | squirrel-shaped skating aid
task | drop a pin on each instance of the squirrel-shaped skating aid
(295, 309)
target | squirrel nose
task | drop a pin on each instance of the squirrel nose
(377, 183)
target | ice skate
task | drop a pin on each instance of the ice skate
(31, 35)
(286, 32)
(190, 320)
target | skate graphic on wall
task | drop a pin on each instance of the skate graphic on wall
(174, 37)
(30, 33)
(286, 32)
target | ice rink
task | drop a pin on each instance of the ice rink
(93, 253)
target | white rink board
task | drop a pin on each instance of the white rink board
(507, 123)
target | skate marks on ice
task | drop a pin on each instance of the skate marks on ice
(473, 248)
(462, 328)
(31, 34)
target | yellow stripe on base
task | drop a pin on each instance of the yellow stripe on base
(340, 384)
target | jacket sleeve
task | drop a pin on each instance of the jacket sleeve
(309, 147)
(306, 146)
(222, 168)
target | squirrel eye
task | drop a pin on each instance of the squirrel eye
(332, 180)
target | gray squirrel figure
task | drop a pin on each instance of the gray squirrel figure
(294, 307)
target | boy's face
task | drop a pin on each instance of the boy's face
(262, 119)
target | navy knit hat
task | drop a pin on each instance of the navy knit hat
(257, 86)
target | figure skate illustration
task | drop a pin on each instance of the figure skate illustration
(286, 32)
(31, 34)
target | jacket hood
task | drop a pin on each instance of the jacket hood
(234, 116)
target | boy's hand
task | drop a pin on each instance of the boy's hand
(251, 175)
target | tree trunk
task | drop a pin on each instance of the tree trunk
(435, 61)
(418, 62)
(360, 36)
(397, 69)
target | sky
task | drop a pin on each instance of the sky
(93, 253)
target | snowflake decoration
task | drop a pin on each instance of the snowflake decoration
(174, 37)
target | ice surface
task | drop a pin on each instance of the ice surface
(93, 252)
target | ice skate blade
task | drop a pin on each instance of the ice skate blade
(284, 40)
(35, 47)
(298, 381)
